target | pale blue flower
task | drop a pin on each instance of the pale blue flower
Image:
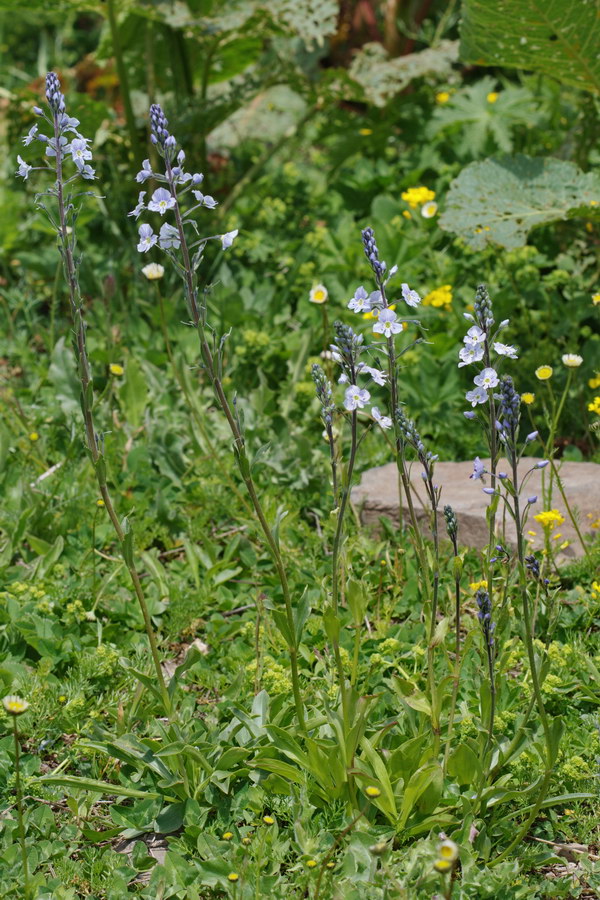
(161, 201)
(376, 374)
(383, 421)
(145, 172)
(147, 238)
(386, 324)
(478, 469)
(411, 298)
(360, 302)
(470, 354)
(505, 350)
(542, 464)
(24, 169)
(197, 178)
(356, 398)
(531, 437)
(168, 237)
(51, 146)
(88, 173)
(479, 395)
(487, 378)
(228, 239)
(31, 135)
(205, 199)
(80, 152)
(474, 335)
(140, 205)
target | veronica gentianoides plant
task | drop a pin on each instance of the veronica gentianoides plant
(181, 199)
(68, 160)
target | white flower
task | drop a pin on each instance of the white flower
(572, 360)
(376, 374)
(80, 152)
(411, 298)
(31, 135)
(474, 335)
(161, 201)
(140, 205)
(505, 350)
(361, 301)
(319, 294)
(488, 378)
(228, 239)
(470, 354)
(24, 168)
(147, 238)
(384, 421)
(428, 210)
(153, 271)
(479, 395)
(355, 397)
(386, 324)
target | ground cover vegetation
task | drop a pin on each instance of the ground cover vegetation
(252, 250)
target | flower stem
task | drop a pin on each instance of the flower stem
(91, 438)
(213, 372)
(20, 808)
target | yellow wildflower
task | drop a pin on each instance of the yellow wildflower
(594, 382)
(550, 518)
(227, 836)
(100, 502)
(116, 369)
(406, 214)
(596, 299)
(441, 296)
(365, 131)
(527, 398)
(478, 585)
(543, 373)
(442, 97)
(268, 820)
(594, 406)
(417, 196)
(233, 876)
(492, 96)
(33, 436)
(311, 863)
(372, 791)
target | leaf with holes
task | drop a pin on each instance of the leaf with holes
(556, 37)
(499, 201)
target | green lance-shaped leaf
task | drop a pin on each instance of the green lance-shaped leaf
(500, 200)
(556, 37)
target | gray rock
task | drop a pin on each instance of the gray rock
(377, 495)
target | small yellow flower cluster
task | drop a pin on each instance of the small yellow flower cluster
(594, 382)
(441, 296)
(594, 406)
(595, 590)
(549, 519)
(417, 196)
(527, 398)
(447, 856)
(478, 585)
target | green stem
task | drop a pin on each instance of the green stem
(20, 808)
(239, 447)
(85, 377)
(457, 661)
